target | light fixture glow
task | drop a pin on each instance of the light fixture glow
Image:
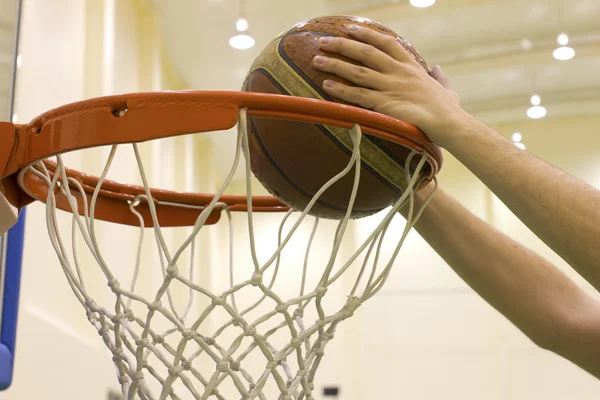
(517, 137)
(422, 3)
(521, 146)
(14, 119)
(563, 53)
(19, 61)
(526, 44)
(563, 39)
(241, 42)
(241, 25)
(536, 100)
(536, 112)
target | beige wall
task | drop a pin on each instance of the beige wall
(73, 50)
(425, 336)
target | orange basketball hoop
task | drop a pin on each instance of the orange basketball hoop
(165, 364)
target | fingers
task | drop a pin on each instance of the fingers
(358, 51)
(359, 75)
(386, 43)
(439, 76)
(357, 95)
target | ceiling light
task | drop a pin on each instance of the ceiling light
(563, 52)
(19, 61)
(521, 146)
(563, 39)
(422, 3)
(241, 42)
(241, 25)
(536, 111)
(14, 119)
(517, 137)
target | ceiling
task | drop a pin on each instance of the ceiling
(477, 42)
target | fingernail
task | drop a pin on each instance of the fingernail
(353, 28)
(319, 60)
(325, 40)
(328, 84)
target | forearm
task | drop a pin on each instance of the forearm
(561, 210)
(528, 290)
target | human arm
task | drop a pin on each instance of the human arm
(528, 290)
(560, 209)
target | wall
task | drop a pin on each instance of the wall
(73, 50)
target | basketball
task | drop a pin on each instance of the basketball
(293, 160)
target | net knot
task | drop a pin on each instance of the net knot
(218, 301)
(172, 271)
(296, 343)
(272, 365)
(281, 308)
(301, 373)
(91, 305)
(113, 284)
(321, 290)
(223, 366)
(155, 305)
(187, 365)
(138, 376)
(175, 370)
(189, 334)
(123, 379)
(299, 313)
(351, 305)
(249, 330)
(117, 318)
(320, 352)
(328, 335)
(256, 278)
(159, 339)
(235, 365)
(143, 342)
(118, 354)
(321, 323)
(209, 341)
(129, 315)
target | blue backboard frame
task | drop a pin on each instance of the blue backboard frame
(12, 255)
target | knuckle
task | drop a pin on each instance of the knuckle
(388, 42)
(332, 63)
(360, 93)
(367, 50)
(360, 73)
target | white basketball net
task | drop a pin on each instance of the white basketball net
(162, 351)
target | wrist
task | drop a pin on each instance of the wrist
(455, 130)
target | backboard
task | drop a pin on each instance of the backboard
(11, 244)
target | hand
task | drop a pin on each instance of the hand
(391, 82)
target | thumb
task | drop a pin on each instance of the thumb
(439, 76)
